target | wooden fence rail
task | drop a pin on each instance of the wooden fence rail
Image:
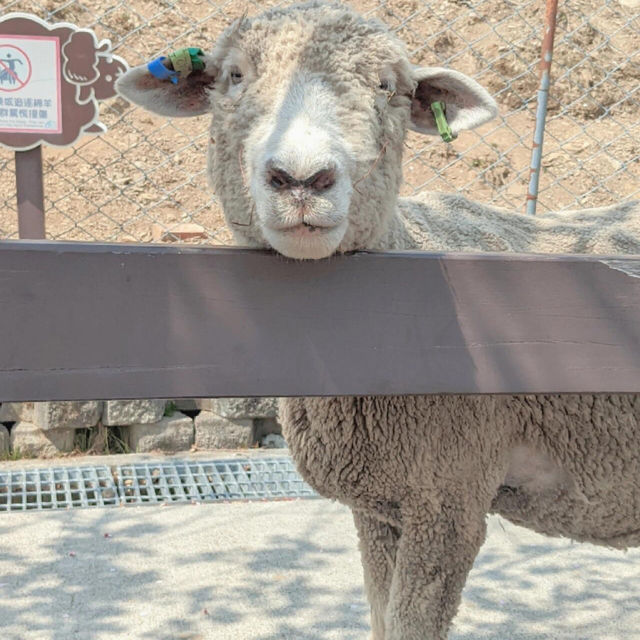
(98, 321)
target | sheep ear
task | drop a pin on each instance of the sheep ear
(187, 97)
(468, 105)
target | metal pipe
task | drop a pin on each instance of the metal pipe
(541, 112)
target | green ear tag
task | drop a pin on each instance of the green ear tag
(196, 60)
(441, 121)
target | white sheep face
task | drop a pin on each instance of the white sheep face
(298, 167)
(310, 107)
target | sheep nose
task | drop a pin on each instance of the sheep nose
(321, 180)
(279, 180)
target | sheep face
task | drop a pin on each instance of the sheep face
(298, 160)
(310, 106)
(309, 119)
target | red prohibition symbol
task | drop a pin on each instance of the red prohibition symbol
(8, 70)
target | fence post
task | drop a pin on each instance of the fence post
(541, 112)
(30, 194)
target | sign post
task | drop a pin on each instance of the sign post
(30, 194)
(52, 77)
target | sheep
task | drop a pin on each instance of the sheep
(311, 105)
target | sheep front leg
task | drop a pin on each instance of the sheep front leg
(378, 543)
(435, 553)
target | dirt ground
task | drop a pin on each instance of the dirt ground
(147, 170)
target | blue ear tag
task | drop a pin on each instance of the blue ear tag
(158, 70)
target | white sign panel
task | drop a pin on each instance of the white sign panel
(30, 91)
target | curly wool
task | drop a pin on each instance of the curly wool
(420, 472)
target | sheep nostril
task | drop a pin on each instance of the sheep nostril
(279, 179)
(322, 180)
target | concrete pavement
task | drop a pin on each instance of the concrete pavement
(280, 570)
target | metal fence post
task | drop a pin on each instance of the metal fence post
(541, 112)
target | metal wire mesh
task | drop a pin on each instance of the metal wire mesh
(189, 481)
(152, 483)
(57, 488)
(147, 174)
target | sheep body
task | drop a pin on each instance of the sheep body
(562, 465)
(317, 81)
(450, 222)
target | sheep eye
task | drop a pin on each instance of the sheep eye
(385, 85)
(236, 77)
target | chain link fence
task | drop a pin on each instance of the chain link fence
(147, 174)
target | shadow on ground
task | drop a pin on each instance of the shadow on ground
(528, 587)
(237, 571)
(278, 571)
(54, 579)
(291, 587)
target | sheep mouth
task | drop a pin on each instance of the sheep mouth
(305, 228)
(305, 241)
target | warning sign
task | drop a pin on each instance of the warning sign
(30, 84)
(52, 79)
(15, 68)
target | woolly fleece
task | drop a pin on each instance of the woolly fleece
(421, 473)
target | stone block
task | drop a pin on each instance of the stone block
(31, 441)
(216, 432)
(179, 232)
(7, 412)
(265, 426)
(66, 415)
(171, 433)
(4, 440)
(16, 412)
(186, 404)
(238, 408)
(273, 441)
(123, 412)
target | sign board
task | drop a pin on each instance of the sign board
(52, 77)
(30, 96)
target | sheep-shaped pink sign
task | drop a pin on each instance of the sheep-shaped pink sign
(52, 77)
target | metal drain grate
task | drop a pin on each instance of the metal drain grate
(184, 481)
(151, 483)
(58, 488)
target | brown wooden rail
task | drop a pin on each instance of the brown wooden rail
(97, 321)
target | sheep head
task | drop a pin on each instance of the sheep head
(310, 105)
